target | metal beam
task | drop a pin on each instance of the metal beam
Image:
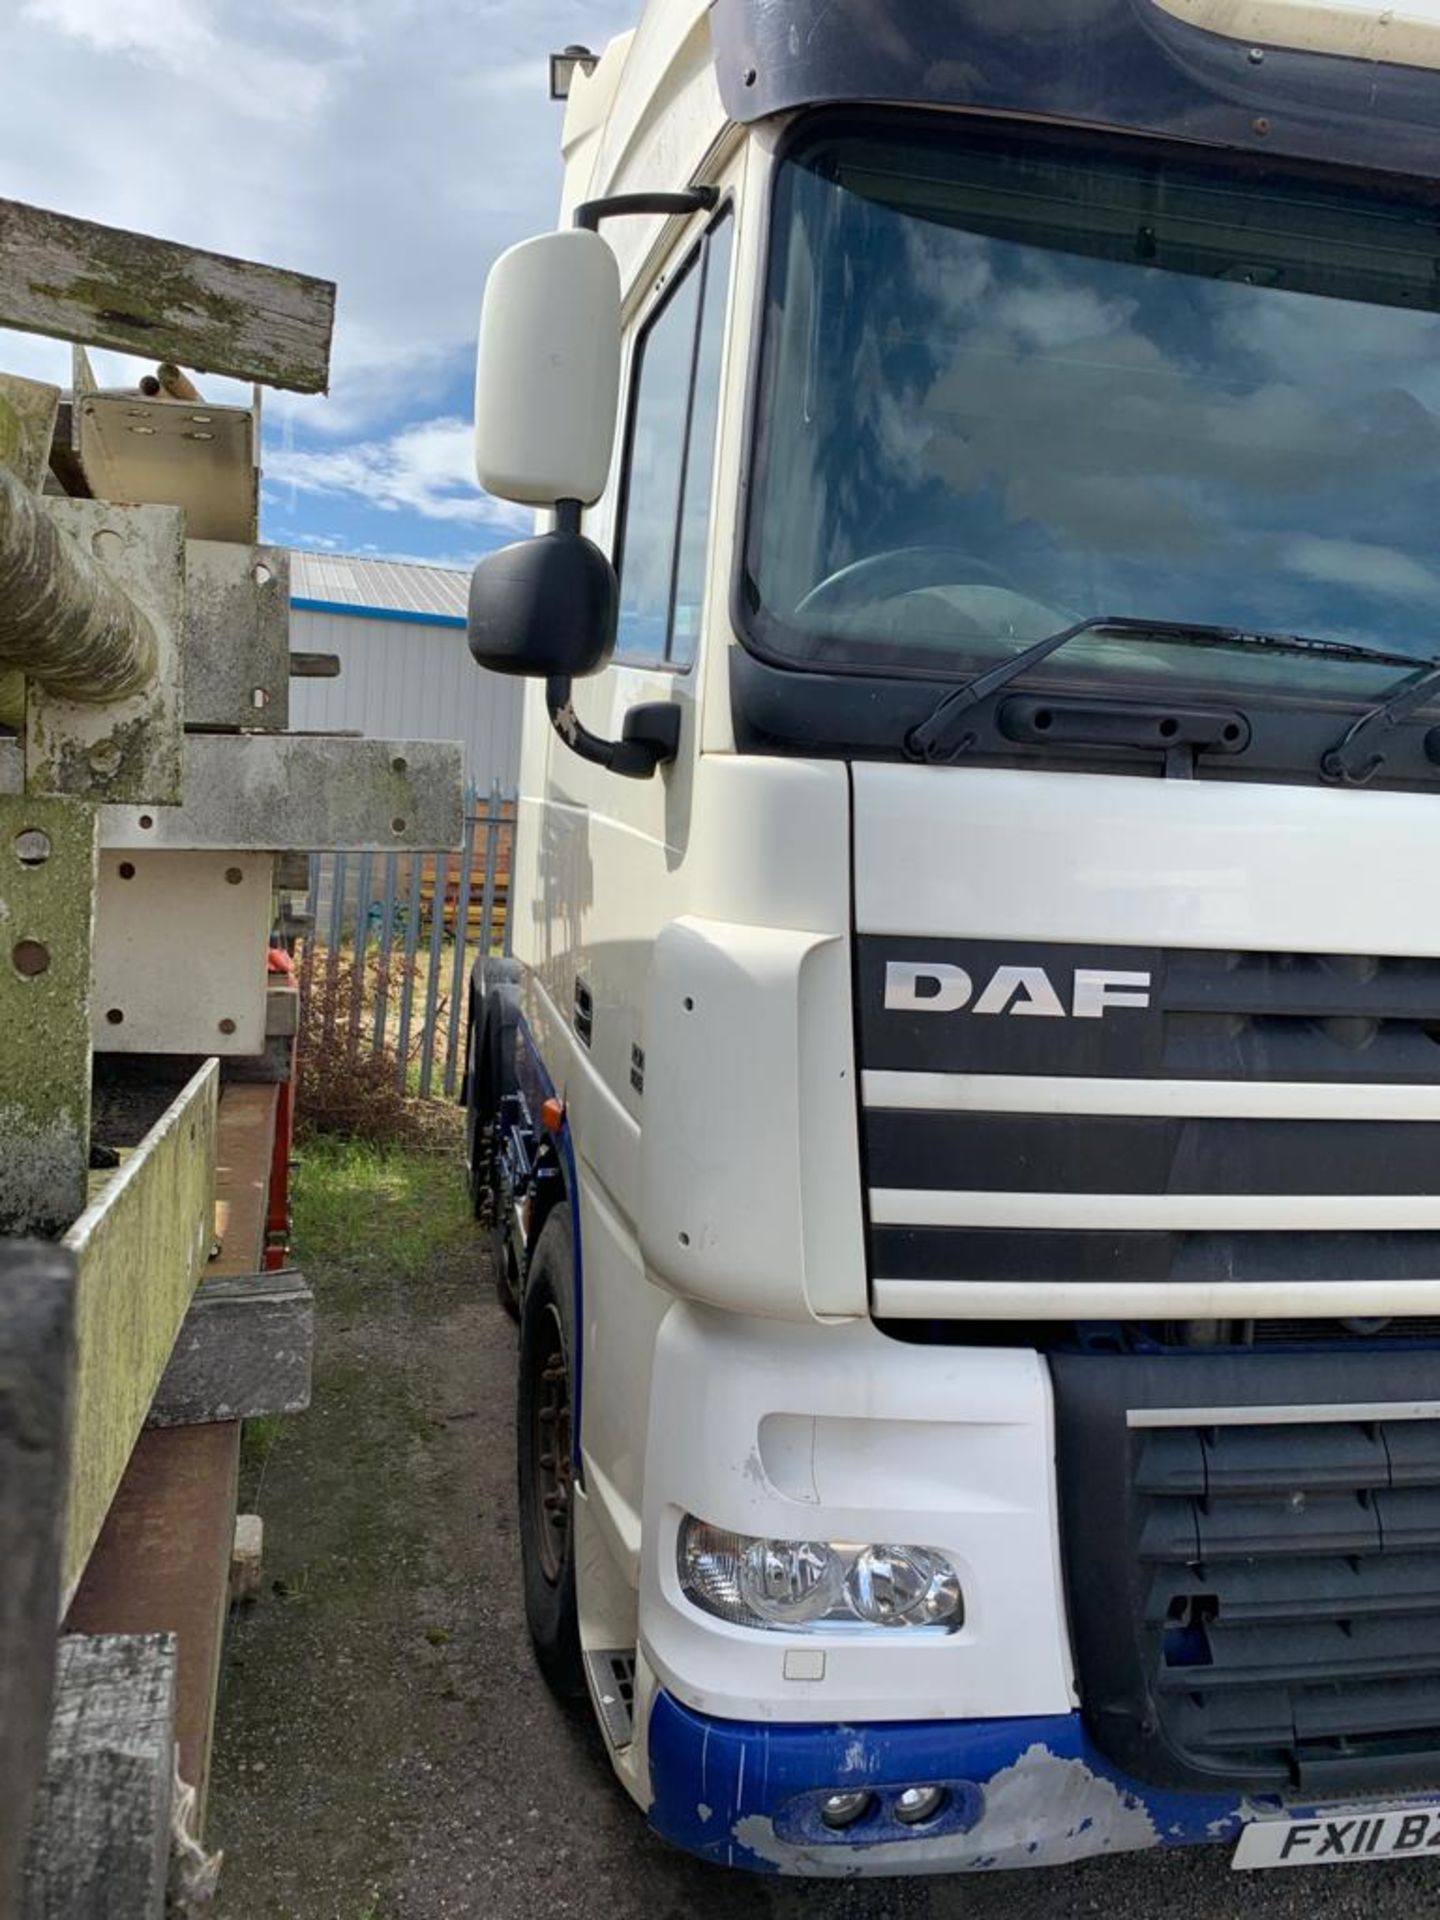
(78, 281)
(237, 636)
(47, 906)
(141, 1247)
(303, 790)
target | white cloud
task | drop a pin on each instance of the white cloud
(395, 146)
(425, 469)
(1357, 563)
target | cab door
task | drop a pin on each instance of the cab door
(613, 850)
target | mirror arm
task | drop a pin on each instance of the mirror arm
(590, 213)
(634, 758)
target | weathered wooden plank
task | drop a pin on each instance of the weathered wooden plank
(141, 1246)
(37, 1363)
(245, 1349)
(245, 1140)
(75, 280)
(162, 1564)
(100, 1836)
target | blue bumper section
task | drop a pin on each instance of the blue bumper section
(1018, 1793)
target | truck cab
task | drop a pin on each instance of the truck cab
(956, 1116)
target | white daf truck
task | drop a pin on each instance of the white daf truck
(960, 1121)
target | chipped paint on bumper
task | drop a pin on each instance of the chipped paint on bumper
(1034, 1793)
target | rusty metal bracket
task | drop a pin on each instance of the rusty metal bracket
(47, 903)
(128, 748)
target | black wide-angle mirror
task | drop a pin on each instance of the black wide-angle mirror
(545, 607)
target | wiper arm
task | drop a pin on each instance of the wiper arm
(939, 738)
(1351, 762)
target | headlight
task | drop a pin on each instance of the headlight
(794, 1585)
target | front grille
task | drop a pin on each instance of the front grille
(970, 1179)
(1209, 1014)
(1255, 1601)
(1292, 1580)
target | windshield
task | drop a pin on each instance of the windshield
(1008, 386)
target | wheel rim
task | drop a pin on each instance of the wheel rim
(550, 1485)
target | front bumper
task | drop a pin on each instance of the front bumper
(1022, 1793)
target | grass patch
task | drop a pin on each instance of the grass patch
(362, 1205)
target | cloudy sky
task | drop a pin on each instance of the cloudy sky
(394, 146)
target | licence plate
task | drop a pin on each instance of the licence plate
(1333, 1840)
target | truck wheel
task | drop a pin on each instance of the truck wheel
(544, 1435)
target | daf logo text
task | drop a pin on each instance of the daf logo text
(933, 986)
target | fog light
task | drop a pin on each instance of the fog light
(918, 1804)
(844, 1809)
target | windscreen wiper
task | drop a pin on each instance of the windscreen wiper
(943, 736)
(1352, 761)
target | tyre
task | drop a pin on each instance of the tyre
(544, 1440)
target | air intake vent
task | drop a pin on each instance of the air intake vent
(1282, 1573)
(1292, 1608)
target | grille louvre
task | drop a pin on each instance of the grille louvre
(1292, 1576)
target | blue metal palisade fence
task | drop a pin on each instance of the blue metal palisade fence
(389, 939)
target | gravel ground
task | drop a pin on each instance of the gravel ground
(386, 1750)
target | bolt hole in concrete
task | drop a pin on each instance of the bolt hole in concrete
(147, 821)
(30, 957)
(397, 825)
(227, 1025)
(233, 876)
(399, 764)
(106, 543)
(32, 847)
(126, 869)
(114, 1016)
(105, 760)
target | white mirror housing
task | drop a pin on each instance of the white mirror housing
(547, 379)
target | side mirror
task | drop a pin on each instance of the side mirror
(545, 607)
(547, 377)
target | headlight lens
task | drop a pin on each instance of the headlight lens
(793, 1585)
(789, 1582)
(903, 1587)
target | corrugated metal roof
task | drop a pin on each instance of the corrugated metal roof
(399, 586)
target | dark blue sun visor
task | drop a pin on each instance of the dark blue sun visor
(1128, 64)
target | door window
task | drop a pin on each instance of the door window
(670, 459)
